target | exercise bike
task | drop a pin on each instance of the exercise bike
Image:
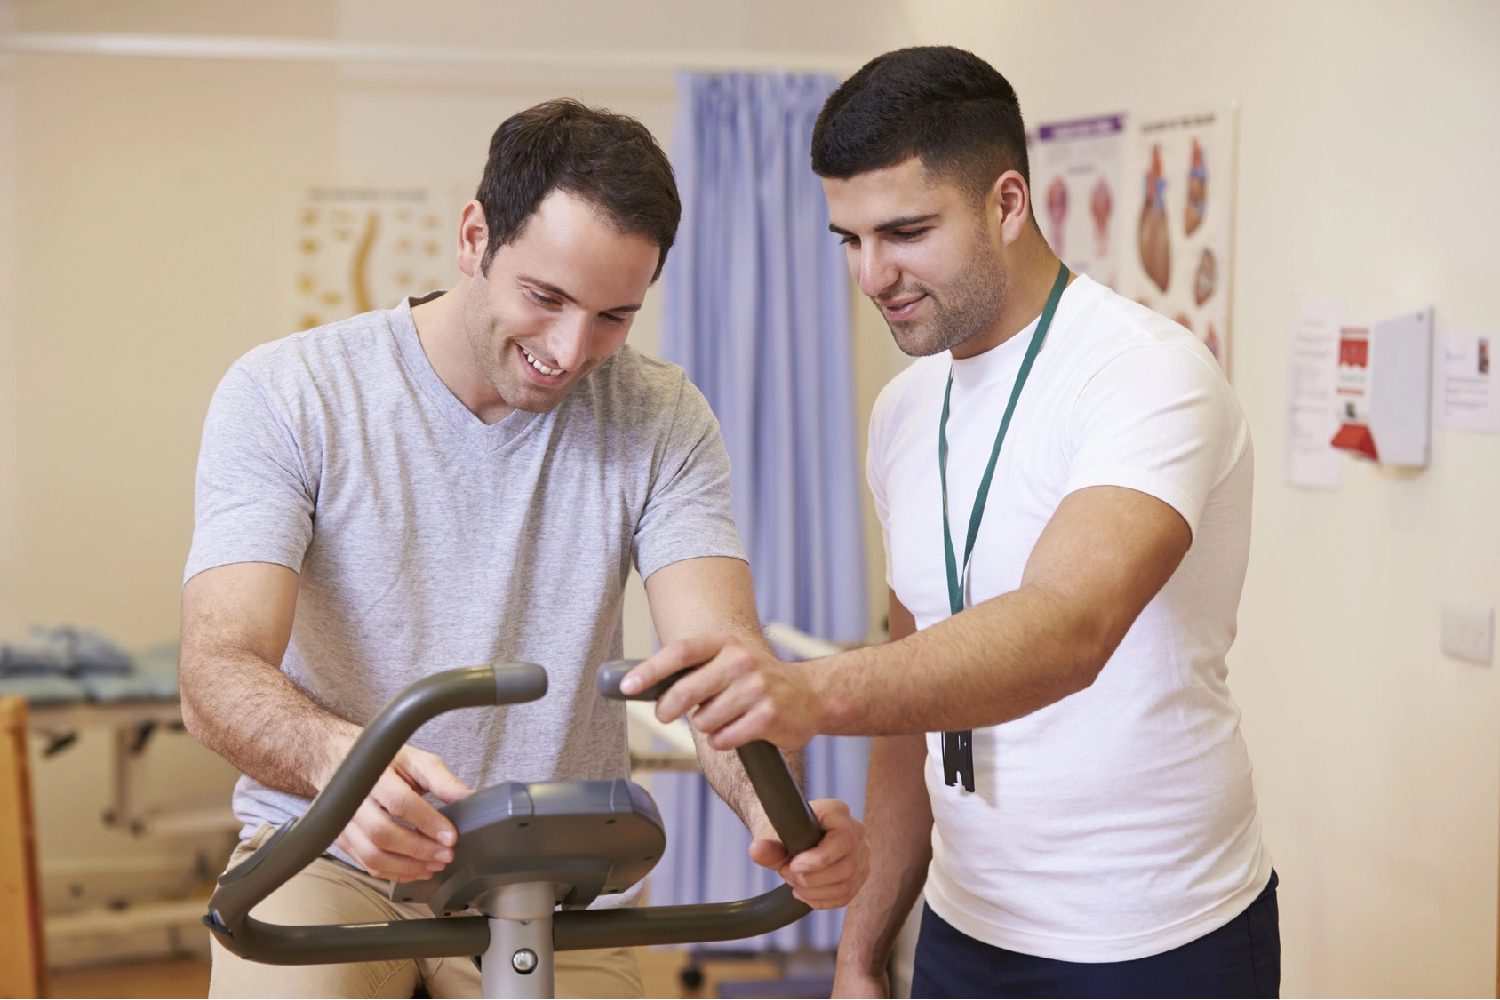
(530, 857)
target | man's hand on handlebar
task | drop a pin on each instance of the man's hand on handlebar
(738, 694)
(828, 875)
(398, 835)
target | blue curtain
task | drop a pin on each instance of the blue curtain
(757, 312)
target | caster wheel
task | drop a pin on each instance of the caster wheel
(691, 977)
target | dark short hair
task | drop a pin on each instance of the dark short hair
(606, 158)
(947, 106)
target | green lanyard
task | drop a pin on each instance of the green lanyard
(958, 759)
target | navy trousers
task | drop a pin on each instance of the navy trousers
(1240, 959)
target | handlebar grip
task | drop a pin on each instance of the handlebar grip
(612, 673)
(516, 683)
(783, 801)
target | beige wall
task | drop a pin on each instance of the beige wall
(144, 234)
(149, 246)
(10, 524)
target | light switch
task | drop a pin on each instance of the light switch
(1469, 631)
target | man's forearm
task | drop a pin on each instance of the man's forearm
(726, 775)
(249, 712)
(993, 663)
(1102, 558)
(898, 821)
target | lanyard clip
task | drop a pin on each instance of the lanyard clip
(958, 758)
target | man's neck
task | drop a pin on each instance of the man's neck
(440, 332)
(1025, 297)
(437, 327)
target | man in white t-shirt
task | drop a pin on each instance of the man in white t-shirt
(1063, 480)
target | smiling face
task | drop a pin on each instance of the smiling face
(553, 305)
(925, 252)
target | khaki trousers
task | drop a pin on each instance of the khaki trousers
(331, 892)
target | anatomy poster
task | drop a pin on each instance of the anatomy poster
(1179, 181)
(1075, 177)
(365, 248)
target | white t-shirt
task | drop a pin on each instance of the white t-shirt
(1119, 822)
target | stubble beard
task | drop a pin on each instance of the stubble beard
(491, 350)
(970, 307)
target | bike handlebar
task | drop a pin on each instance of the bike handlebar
(295, 846)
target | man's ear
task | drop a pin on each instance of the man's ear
(473, 238)
(1010, 203)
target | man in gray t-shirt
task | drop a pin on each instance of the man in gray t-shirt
(466, 478)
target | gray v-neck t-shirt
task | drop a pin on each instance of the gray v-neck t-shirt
(426, 539)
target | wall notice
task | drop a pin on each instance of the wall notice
(1311, 398)
(1467, 398)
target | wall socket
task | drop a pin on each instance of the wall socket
(1469, 631)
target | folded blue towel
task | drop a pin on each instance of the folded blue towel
(35, 657)
(64, 652)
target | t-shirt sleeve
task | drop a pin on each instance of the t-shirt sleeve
(1156, 419)
(687, 514)
(253, 501)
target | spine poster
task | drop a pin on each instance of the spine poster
(366, 248)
